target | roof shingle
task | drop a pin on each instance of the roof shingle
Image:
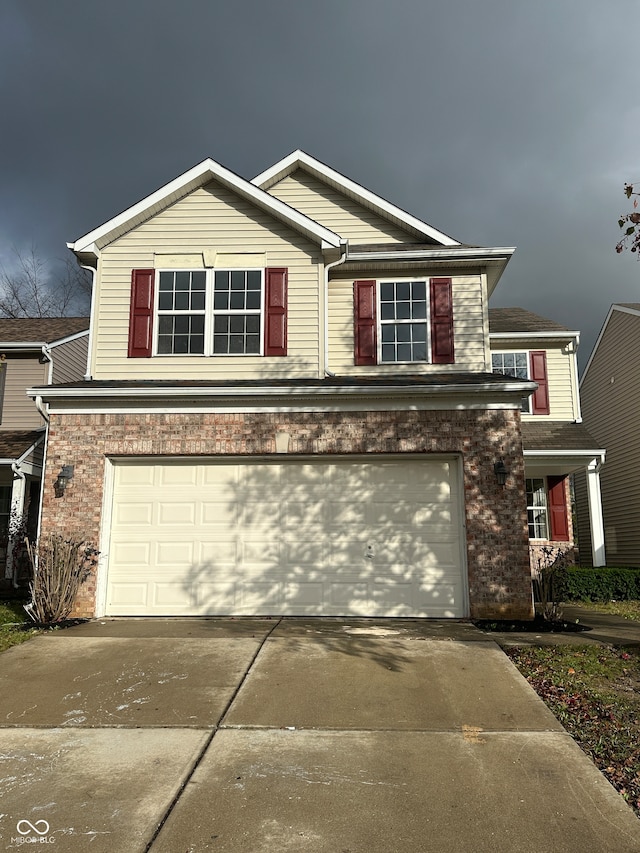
(521, 320)
(40, 330)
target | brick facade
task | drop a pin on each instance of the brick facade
(496, 528)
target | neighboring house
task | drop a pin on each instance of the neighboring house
(290, 408)
(610, 393)
(32, 351)
(556, 443)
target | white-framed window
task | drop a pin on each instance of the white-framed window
(537, 508)
(403, 312)
(516, 364)
(210, 312)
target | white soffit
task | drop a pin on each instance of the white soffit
(300, 160)
(180, 187)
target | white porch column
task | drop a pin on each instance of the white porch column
(595, 512)
(17, 508)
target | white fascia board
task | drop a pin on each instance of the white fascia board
(196, 177)
(369, 199)
(24, 345)
(615, 307)
(52, 392)
(462, 253)
(592, 454)
(559, 336)
(69, 338)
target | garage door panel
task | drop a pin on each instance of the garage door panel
(172, 595)
(130, 594)
(219, 596)
(296, 513)
(219, 515)
(177, 475)
(176, 512)
(175, 554)
(319, 537)
(260, 552)
(133, 514)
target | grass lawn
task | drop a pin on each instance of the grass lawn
(595, 693)
(625, 609)
(10, 634)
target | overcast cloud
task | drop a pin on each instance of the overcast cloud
(500, 122)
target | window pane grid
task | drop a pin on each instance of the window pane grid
(514, 364)
(209, 312)
(402, 304)
(537, 513)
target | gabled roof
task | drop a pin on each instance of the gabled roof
(300, 160)
(632, 308)
(520, 320)
(15, 443)
(90, 244)
(39, 331)
(555, 435)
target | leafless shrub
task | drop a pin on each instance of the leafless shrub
(60, 567)
(549, 561)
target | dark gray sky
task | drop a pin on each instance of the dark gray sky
(501, 123)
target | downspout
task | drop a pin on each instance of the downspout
(93, 271)
(20, 475)
(576, 379)
(344, 249)
(40, 407)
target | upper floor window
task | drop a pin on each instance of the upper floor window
(526, 365)
(208, 312)
(403, 321)
(514, 364)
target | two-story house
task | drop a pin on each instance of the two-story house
(610, 393)
(32, 352)
(291, 408)
(556, 443)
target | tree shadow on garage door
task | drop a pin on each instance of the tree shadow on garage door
(333, 537)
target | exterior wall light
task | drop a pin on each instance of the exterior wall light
(66, 474)
(501, 472)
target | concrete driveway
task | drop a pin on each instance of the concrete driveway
(256, 735)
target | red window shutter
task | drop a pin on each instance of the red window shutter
(441, 321)
(557, 490)
(275, 329)
(538, 371)
(366, 344)
(141, 314)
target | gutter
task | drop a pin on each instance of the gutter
(344, 250)
(93, 271)
(435, 254)
(58, 392)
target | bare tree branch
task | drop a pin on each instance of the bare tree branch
(31, 288)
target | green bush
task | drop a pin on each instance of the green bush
(575, 583)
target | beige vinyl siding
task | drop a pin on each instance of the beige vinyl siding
(560, 375)
(582, 528)
(70, 360)
(610, 394)
(209, 220)
(337, 211)
(467, 327)
(18, 410)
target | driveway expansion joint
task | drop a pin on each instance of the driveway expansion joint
(205, 747)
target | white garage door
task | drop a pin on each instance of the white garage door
(314, 537)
